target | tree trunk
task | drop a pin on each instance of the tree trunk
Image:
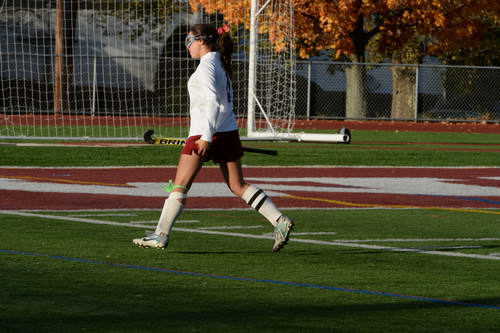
(404, 99)
(356, 92)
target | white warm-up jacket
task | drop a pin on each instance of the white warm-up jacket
(210, 98)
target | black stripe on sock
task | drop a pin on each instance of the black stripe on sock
(252, 199)
(261, 203)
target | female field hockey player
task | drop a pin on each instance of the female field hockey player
(213, 135)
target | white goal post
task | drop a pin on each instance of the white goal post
(272, 23)
(113, 69)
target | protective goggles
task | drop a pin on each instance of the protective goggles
(190, 39)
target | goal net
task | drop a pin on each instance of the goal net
(95, 69)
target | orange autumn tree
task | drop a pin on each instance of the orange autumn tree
(403, 30)
(393, 28)
(457, 24)
(237, 12)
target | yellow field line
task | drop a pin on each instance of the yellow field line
(352, 204)
(58, 180)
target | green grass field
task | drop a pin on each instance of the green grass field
(345, 270)
(367, 148)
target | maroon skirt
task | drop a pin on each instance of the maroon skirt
(225, 147)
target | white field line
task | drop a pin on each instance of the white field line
(259, 167)
(458, 247)
(241, 209)
(416, 240)
(232, 227)
(313, 233)
(156, 221)
(99, 215)
(233, 234)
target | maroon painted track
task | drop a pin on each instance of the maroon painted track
(413, 126)
(290, 187)
(402, 126)
(115, 188)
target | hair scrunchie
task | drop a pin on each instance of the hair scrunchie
(222, 30)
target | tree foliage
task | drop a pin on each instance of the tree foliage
(347, 26)
(237, 12)
(484, 52)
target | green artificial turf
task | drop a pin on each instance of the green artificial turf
(70, 276)
(367, 148)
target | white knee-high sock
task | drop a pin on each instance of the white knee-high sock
(171, 210)
(258, 200)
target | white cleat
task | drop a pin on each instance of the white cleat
(152, 240)
(282, 232)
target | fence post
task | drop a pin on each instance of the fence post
(308, 110)
(417, 74)
(94, 84)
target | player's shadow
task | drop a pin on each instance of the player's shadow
(282, 252)
(217, 252)
(213, 313)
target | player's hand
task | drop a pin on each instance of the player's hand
(203, 147)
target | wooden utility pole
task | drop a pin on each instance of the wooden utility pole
(59, 60)
(66, 22)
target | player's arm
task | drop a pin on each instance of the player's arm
(210, 103)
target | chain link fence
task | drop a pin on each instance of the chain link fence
(117, 67)
(333, 90)
(325, 90)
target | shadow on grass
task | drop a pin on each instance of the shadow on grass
(208, 312)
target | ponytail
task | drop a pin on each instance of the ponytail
(225, 46)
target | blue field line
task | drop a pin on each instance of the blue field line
(463, 198)
(483, 200)
(244, 279)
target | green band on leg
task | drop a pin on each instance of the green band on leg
(170, 187)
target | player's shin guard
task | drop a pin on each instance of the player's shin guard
(258, 200)
(171, 210)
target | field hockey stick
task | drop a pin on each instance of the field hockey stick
(148, 137)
